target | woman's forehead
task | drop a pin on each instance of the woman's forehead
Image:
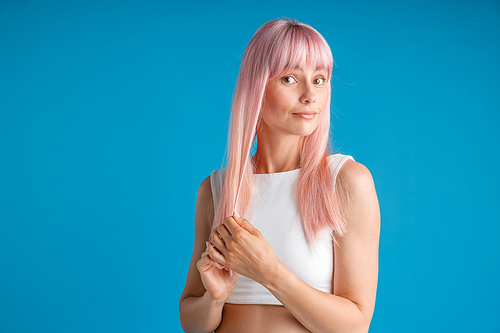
(317, 60)
(305, 67)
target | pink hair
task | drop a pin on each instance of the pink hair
(276, 46)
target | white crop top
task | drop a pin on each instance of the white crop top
(274, 212)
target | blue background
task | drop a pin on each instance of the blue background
(113, 112)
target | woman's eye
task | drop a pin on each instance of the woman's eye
(288, 79)
(319, 80)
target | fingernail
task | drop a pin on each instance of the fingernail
(236, 214)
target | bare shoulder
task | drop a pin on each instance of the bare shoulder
(357, 193)
(204, 204)
(205, 189)
(355, 175)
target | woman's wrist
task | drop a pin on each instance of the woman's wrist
(275, 276)
(214, 302)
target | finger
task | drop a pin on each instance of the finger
(205, 254)
(235, 222)
(216, 234)
(231, 225)
(223, 232)
(246, 225)
(218, 243)
(215, 255)
(206, 261)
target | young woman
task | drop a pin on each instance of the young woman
(303, 255)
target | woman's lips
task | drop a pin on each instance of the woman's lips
(305, 115)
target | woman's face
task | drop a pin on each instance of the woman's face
(294, 101)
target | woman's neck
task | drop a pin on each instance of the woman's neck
(277, 154)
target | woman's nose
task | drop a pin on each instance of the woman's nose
(308, 96)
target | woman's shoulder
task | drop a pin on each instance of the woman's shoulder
(204, 206)
(216, 180)
(336, 163)
(211, 187)
(355, 173)
(205, 191)
(356, 188)
(352, 177)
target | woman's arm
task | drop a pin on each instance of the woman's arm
(350, 307)
(208, 285)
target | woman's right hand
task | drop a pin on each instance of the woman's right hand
(218, 280)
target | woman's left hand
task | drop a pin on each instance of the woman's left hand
(242, 248)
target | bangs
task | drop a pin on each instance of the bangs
(297, 46)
